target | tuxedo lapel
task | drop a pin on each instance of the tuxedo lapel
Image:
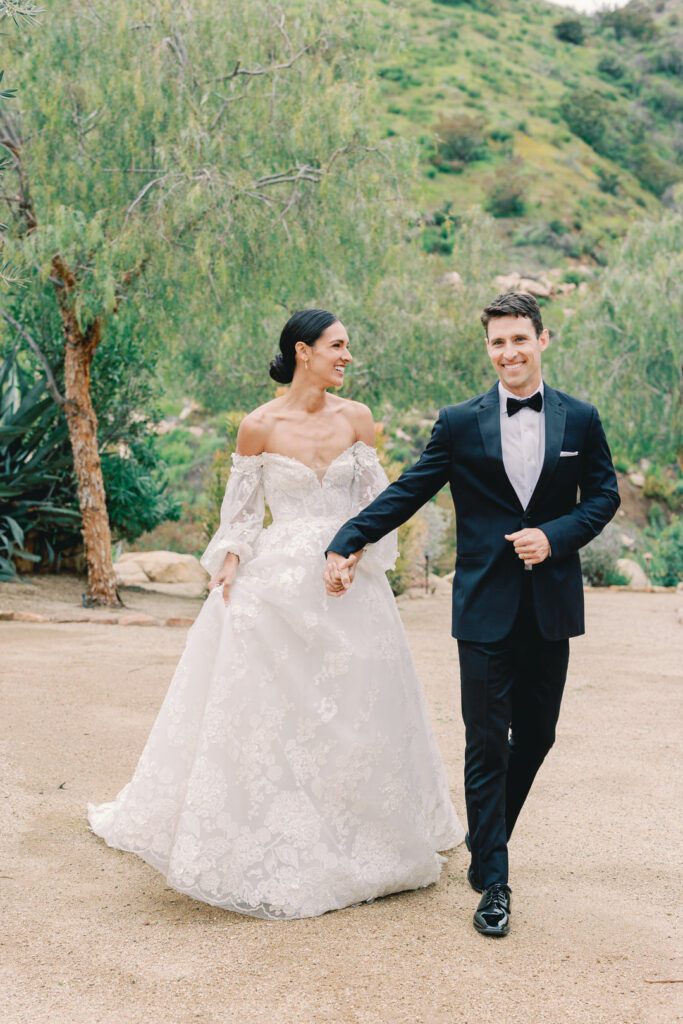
(555, 418)
(488, 414)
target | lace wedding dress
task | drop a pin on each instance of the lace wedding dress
(292, 768)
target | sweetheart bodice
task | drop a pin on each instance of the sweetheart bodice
(302, 504)
(293, 490)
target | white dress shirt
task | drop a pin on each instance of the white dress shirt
(522, 438)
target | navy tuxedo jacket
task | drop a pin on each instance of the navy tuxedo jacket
(465, 451)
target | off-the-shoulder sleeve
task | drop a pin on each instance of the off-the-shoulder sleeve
(242, 513)
(369, 481)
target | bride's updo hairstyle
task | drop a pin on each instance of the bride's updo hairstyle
(306, 325)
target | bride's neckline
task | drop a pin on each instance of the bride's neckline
(320, 476)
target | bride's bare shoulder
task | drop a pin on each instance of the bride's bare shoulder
(255, 427)
(360, 418)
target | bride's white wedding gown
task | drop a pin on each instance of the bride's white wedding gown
(292, 768)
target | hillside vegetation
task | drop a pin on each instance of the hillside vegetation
(567, 128)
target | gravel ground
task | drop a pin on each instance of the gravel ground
(94, 935)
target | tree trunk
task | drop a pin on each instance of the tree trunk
(79, 349)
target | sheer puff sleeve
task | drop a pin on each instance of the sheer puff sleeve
(369, 481)
(242, 513)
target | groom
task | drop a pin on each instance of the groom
(515, 458)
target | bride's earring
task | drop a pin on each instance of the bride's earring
(306, 363)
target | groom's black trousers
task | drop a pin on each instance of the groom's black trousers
(511, 692)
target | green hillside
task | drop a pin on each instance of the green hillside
(565, 142)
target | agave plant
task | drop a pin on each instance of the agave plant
(38, 515)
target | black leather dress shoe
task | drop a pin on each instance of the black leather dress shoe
(492, 916)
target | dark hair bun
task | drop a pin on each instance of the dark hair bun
(306, 325)
(279, 371)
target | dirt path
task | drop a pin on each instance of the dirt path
(93, 935)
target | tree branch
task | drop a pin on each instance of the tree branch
(259, 69)
(36, 349)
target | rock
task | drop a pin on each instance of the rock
(645, 464)
(507, 282)
(179, 620)
(566, 288)
(129, 574)
(634, 573)
(29, 617)
(164, 566)
(137, 619)
(452, 278)
(188, 409)
(6, 615)
(164, 426)
(541, 289)
(196, 431)
(628, 542)
(637, 479)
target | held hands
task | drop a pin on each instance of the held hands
(531, 545)
(225, 576)
(340, 572)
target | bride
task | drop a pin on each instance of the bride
(292, 768)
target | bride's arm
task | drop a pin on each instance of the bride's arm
(242, 511)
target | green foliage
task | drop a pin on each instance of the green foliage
(634, 21)
(622, 348)
(137, 498)
(666, 546)
(570, 30)
(599, 559)
(608, 181)
(616, 131)
(461, 138)
(39, 517)
(507, 193)
(613, 67)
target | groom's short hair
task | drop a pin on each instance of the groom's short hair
(513, 304)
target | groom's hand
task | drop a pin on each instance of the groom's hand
(531, 545)
(339, 573)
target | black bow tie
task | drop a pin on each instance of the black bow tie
(515, 404)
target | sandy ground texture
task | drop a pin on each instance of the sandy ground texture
(91, 934)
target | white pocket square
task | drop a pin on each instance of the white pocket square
(567, 454)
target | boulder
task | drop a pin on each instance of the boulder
(541, 289)
(634, 573)
(162, 567)
(452, 278)
(507, 282)
(129, 574)
(637, 479)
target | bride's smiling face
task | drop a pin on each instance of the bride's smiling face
(327, 359)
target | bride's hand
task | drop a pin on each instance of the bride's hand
(339, 573)
(225, 577)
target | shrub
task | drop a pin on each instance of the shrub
(608, 181)
(668, 58)
(666, 565)
(612, 67)
(507, 194)
(633, 20)
(599, 559)
(570, 30)
(653, 171)
(666, 98)
(461, 138)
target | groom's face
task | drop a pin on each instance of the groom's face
(515, 350)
